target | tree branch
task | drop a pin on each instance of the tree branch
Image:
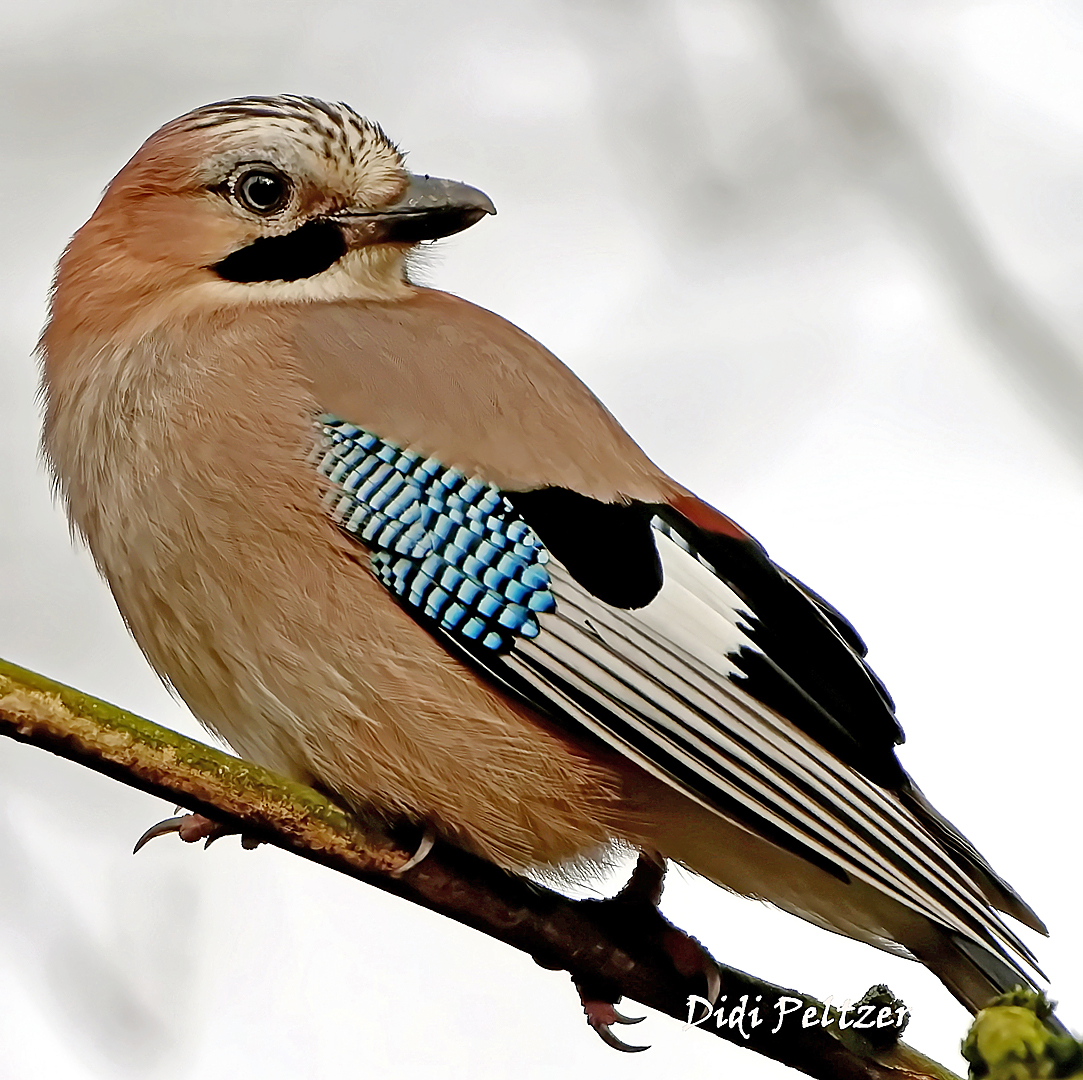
(579, 936)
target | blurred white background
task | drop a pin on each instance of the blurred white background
(822, 259)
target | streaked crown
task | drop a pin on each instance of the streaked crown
(289, 197)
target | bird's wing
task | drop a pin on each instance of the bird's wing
(664, 631)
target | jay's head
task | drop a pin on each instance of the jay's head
(258, 198)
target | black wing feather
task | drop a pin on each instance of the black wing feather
(808, 663)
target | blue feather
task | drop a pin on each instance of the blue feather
(446, 544)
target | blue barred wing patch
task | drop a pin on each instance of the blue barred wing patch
(447, 545)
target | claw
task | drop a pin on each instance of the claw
(163, 828)
(714, 981)
(191, 828)
(610, 1039)
(423, 849)
(602, 1014)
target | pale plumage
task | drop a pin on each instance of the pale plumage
(382, 540)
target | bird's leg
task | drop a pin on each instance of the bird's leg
(647, 880)
(633, 913)
(192, 828)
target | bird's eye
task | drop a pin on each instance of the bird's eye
(262, 191)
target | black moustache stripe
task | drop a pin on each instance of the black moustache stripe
(306, 251)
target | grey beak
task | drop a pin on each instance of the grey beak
(429, 209)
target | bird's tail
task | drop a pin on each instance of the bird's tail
(996, 890)
(975, 974)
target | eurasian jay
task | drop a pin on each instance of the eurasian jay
(384, 542)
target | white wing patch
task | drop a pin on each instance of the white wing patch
(695, 611)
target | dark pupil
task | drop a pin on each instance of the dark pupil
(262, 191)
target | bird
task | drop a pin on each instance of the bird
(384, 542)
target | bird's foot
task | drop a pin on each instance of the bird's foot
(632, 915)
(601, 1015)
(635, 910)
(192, 828)
(690, 958)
